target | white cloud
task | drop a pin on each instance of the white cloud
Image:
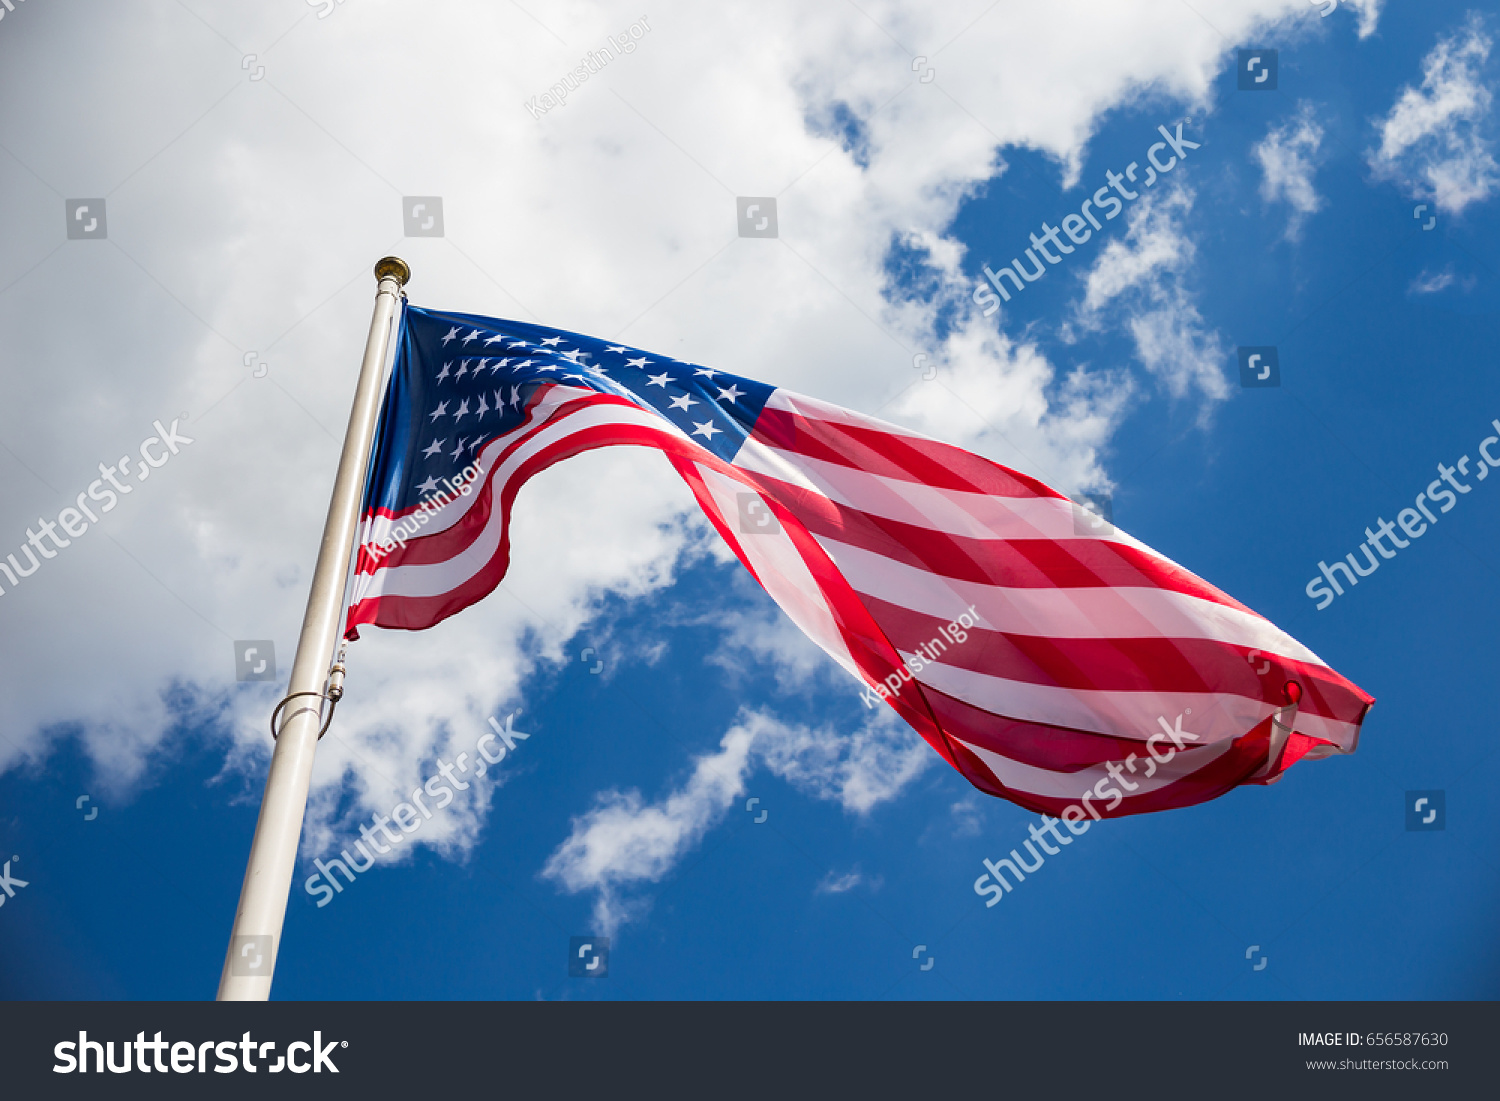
(624, 842)
(967, 817)
(1432, 282)
(1434, 142)
(762, 636)
(1369, 14)
(244, 216)
(858, 771)
(1140, 279)
(1287, 156)
(835, 884)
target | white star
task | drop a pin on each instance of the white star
(515, 397)
(572, 357)
(461, 412)
(459, 450)
(525, 363)
(550, 367)
(707, 372)
(472, 336)
(427, 487)
(641, 362)
(444, 372)
(518, 344)
(484, 407)
(659, 380)
(706, 430)
(440, 410)
(579, 378)
(733, 394)
(434, 448)
(496, 339)
(453, 332)
(463, 369)
(614, 348)
(500, 400)
(552, 341)
(682, 401)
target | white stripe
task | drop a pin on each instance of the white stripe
(1213, 716)
(1094, 612)
(782, 571)
(950, 511)
(1074, 785)
(801, 405)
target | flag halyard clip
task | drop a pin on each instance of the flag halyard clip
(332, 693)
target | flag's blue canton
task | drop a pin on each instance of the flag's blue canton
(461, 380)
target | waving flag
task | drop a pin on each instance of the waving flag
(1042, 652)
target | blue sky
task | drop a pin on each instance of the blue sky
(1384, 333)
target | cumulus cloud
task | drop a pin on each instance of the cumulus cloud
(624, 842)
(858, 771)
(1436, 142)
(1287, 156)
(1142, 279)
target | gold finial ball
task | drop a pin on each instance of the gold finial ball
(393, 267)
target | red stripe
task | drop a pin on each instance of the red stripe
(1229, 770)
(1125, 664)
(908, 458)
(1011, 563)
(1040, 745)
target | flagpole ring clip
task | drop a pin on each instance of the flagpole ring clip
(327, 720)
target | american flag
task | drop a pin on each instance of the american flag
(1094, 664)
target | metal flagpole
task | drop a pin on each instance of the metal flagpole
(256, 938)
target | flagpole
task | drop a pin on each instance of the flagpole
(256, 938)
